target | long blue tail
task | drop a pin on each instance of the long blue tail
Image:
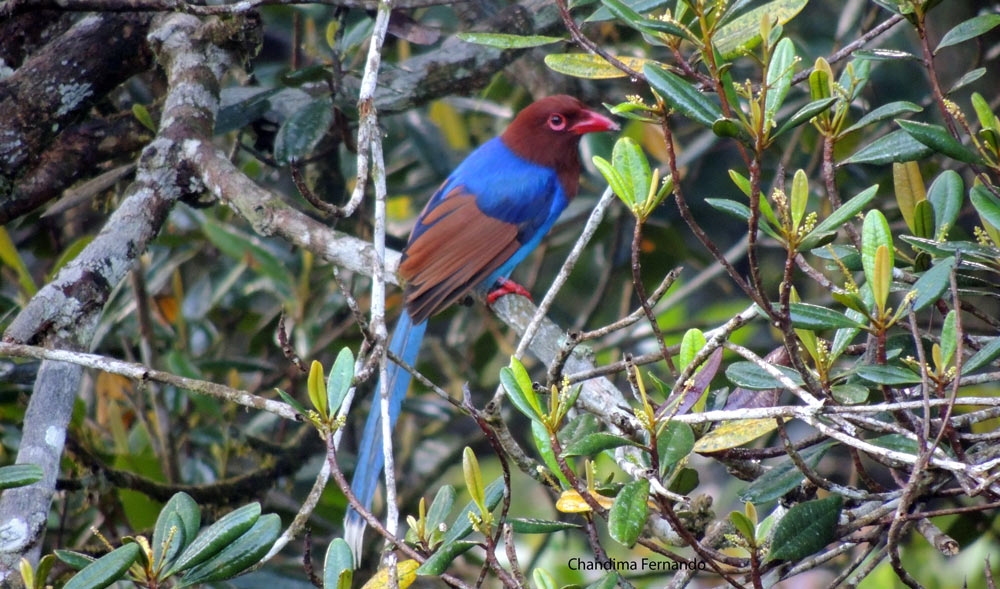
(406, 338)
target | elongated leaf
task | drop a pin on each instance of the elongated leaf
(969, 29)
(839, 217)
(849, 394)
(441, 506)
(806, 113)
(439, 562)
(743, 32)
(897, 146)
(885, 55)
(10, 256)
(20, 475)
(239, 246)
(750, 376)
(933, 283)
(984, 356)
(783, 477)
(239, 554)
(987, 205)
(339, 381)
(734, 433)
(505, 41)
(740, 211)
(628, 513)
(339, 560)
(805, 529)
(181, 511)
(937, 138)
(814, 317)
(594, 67)
(594, 443)
(674, 443)
(683, 97)
(406, 574)
(875, 234)
(105, 570)
(946, 195)
(522, 525)
(695, 396)
(629, 160)
(888, 375)
(967, 79)
(886, 111)
(214, 538)
(628, 15)
(639, 6)
(511, 381)
(300, 133)
(779, 78)
(540, 434)
(923, 219)
(462, 527)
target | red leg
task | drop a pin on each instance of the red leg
(505, 287)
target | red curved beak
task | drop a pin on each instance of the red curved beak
(592, 122)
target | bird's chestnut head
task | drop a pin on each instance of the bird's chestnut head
(548, 131)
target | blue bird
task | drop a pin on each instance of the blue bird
(489, 214)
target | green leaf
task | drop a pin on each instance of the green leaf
(299, 407)
(897, 146)
(732, 128)
(240, 114)
(692, 342)
(987, 205)
(105, 570)
(948, 342)
(594, 67)
(946, 195)
(441, 506)
(462, 527)
(439, 562)
(523, 525)
(630, 162)
(779, 78)
(882, 278)
(239, 555)
(540, 434)
(750, 376)
(875, 234)
(474, 479)
(608, 581)
(339, 560)
(75, 560)
(594, 443)
(673, 444)
(799, 197)
(300, 132)
(181, 511)
(10, 257)
(740, 211)
(838, 217)
(883, 112)
(629, 16)
(742, 524)
(339, 381)
(505, 41)
(683, 97)
(241, 247)
(214, 538)
(967, 79)
(542, 579)
(923, 219)
(940, 140)
(984, 356)
(628, 512)
(969, 29)
(933, 283)
(805, 529)
(615, 181)
(783, 477)
(743, 32)
(20, 475)
(820, 86)
(806, 113)
(885, 55)
(142, 115)
(814, 317)
(639, 6)
(888, 375)
(849, 394)
(301, 76)
(516, 382)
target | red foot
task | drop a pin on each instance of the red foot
(505, 287)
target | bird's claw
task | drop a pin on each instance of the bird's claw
(505, 287)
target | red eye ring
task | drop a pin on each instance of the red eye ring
(557, 122)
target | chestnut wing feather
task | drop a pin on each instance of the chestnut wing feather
(456, 246)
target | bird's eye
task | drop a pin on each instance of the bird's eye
(557, 122)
